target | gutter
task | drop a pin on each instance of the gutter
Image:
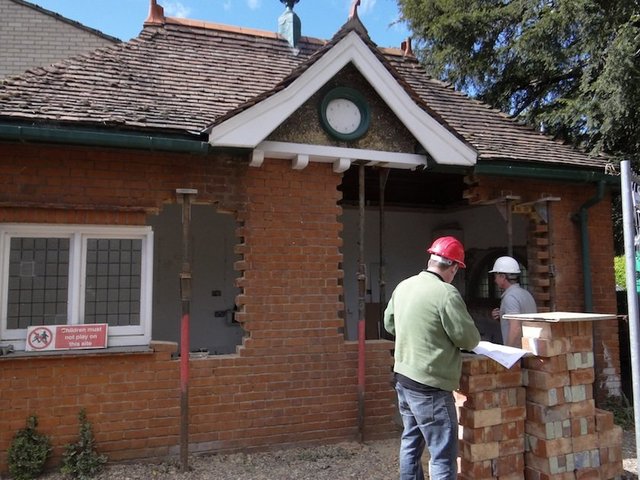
(546, 173)
(96, 138)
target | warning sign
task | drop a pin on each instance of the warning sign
(66, 337)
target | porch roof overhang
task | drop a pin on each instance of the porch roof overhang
(250, 127)
(341, 157)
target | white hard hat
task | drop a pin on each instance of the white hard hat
(505, 265)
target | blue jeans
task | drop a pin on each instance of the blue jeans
(430, 420)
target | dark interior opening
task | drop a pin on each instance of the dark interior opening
(418, 188)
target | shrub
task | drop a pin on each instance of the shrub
(620, 270)
(622, 411)
(81, 460)
(28, 452)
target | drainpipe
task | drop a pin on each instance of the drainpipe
(186, 196)
(582, 217)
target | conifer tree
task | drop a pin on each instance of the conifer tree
(568, 67)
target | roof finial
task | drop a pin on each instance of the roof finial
(289, 3)
(289, 25)
(354, 9)
(156, 14)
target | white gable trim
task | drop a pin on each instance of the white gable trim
(251, 126)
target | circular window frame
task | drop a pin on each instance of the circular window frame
(358, 99)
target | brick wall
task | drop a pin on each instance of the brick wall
(79, 185)
(31, 38)
(566, 251)
(294, 380)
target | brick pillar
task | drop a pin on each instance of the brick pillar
(491, 411)
(567, 438)
(539, 263)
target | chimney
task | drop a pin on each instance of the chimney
(289, 25)
(406, 48)
(156, 14)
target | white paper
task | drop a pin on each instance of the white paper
(502, 354)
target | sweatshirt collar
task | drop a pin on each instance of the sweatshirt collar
(434, 273)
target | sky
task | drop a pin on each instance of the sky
(320, 18)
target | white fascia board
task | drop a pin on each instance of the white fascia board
(251, 126)
(329, 154)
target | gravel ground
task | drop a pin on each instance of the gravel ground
(350, 460)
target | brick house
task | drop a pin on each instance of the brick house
(32, 36)
(317, 173)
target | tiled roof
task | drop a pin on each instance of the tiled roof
(182, 76)
(492, 133)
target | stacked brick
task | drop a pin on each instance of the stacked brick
(540, 258)
(567, 437)
(491, 411)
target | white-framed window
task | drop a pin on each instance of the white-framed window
(76, 274)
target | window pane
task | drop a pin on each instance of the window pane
(113, 281)
(38, 282)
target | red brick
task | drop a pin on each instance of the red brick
(582, 344)
(545, 380)
(585, 442)
(548, 448)
(586, 408)
(546, 364)
(544, 347)
(610, 437)
(480, 418)
(588, 474)
(604, 420)
(585, 376)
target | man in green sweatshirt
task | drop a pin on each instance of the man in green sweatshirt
(431, 325)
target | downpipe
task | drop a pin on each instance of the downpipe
(582, 217)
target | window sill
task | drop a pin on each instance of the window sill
(142, 349)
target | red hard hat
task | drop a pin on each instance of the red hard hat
(450, 248)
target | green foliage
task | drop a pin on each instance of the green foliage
(28, 452)
(620, 270)
(80, 460)
(622, 411)
(570, 67)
